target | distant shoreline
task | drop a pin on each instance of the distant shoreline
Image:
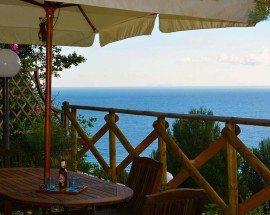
(171, 88)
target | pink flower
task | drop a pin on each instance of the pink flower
(14, 47)
(37, 109)
(85, 145)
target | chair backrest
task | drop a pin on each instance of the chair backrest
(181, 201)
(10, 158)
(144, 178)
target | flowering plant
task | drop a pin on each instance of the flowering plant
(13, 47)
(85, 145)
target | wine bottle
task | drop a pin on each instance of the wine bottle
(62, 175)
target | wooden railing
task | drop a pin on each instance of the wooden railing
(227, 139)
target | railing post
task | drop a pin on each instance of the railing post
(162, 151)
(112, 139)
(232, 176)
(74, 137)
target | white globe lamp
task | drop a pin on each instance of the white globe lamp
(9, 63)
(169, 176)
(9, 66)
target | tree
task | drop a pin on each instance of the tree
(33, 56)
(32, 143)
(261, 11)
(250, 181)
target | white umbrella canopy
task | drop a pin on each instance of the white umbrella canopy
(76, 22)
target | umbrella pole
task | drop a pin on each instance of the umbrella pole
(47, 131)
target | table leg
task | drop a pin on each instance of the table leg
(7, 207)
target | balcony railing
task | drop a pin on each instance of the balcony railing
(229, 139)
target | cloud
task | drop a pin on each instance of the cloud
(261, 58)
(194, 59)
(238, 60)
(186, 60)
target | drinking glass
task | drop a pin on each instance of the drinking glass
(73, 182)
(50, 183)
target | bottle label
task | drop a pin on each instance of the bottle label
(62, 180)
(63, 175)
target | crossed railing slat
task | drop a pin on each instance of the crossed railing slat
(190, 168)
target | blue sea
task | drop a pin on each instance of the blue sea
(232, 102)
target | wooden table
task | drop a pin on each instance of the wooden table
(21, 185)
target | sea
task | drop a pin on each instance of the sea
(246, 102)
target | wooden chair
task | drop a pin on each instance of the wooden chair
(182, 201)
(144, 178)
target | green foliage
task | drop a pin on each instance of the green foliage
(191, 134)
(33, 144)
(261, 210)
(212, 209)
(122, 178)
(97, 170)
(261, 11)
(249, 180)
(86, 123)
(33, 56)
(90, 168)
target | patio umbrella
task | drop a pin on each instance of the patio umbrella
(76, 22)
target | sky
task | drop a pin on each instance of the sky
(210, 57)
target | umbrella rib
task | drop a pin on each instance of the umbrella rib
(87, 19)
(83, 13)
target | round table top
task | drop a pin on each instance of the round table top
(22, 185)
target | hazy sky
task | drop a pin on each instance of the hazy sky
(212, 57)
